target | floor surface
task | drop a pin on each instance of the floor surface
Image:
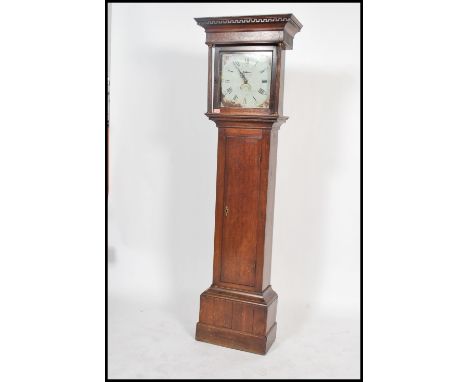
(151, 340)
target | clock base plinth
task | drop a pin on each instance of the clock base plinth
(235, 339)
(238, 320)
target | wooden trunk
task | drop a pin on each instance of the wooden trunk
(239, 309)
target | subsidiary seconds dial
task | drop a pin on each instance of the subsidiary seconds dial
(246, 79)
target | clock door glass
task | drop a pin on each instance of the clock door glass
(246, 79)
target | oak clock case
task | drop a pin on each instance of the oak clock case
(245, 87)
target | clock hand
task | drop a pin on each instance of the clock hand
(242, 74)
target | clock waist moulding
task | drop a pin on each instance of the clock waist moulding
(246, 58)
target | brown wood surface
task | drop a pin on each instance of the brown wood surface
(270, 204)
(239, 309)
(258, 29)
(210, 78)
(243, 317)
(240, 217)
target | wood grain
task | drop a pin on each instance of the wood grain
(240, 218)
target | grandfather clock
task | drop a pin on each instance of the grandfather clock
(245, 97)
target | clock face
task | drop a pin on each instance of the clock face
(246, 79)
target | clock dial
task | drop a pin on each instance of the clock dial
(246, 79)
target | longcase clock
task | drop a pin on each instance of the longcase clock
(246, 58)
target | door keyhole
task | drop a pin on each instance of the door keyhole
(226, 211)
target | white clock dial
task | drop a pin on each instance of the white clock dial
(245, 79)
